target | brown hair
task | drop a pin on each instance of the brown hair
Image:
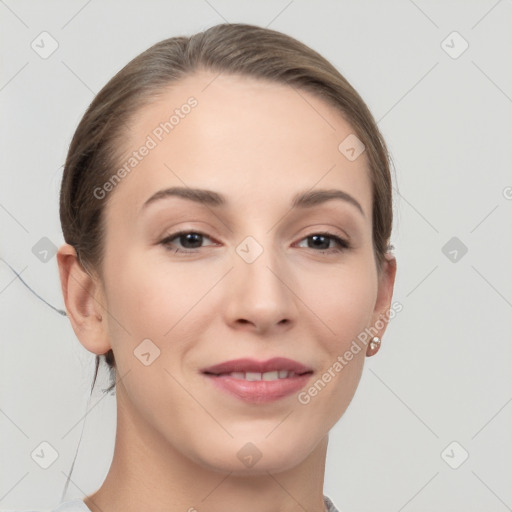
(97, 145)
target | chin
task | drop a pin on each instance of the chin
(259, 457)
(262, 467)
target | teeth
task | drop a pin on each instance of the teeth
(252, 376)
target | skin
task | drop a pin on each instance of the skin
(178, 437)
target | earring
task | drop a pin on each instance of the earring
(374, 346)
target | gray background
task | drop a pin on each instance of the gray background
(444, 371)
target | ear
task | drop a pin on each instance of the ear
(380, 317)
(84, 300)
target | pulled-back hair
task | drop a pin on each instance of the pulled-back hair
(99, 141)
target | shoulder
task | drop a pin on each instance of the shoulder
(75, 505)
(330, 505)
(80, 506)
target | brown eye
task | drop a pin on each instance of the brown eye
(322, 242)
(189, 241)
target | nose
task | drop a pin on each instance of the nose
(260, 295)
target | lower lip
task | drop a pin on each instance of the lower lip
(259, 391)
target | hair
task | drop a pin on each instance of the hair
(96, 148)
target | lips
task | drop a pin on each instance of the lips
(259, 382)
(252, 366)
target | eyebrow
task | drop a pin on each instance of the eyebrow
(306, 199)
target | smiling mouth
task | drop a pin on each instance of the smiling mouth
(259, 387)
(255, 376)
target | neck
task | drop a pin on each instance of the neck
(148, 473)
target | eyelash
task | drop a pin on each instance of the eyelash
(342, 244)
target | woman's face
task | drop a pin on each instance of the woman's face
(252, 282)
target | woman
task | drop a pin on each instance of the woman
(227, 210)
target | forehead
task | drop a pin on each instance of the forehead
(248, 138)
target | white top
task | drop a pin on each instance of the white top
(78, 505)
(72, 506)
(330, 505)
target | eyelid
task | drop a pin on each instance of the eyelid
(177, 234)
(342, 242)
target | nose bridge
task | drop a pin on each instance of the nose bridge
(259, 293)
(259, 261)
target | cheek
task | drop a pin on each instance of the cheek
(156, 300)
(343, 301)
(151, 302)
(148, 295)
(340, 302)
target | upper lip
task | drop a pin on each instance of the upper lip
(252, 365)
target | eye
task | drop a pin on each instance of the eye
(189, 240)
(322, 241)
